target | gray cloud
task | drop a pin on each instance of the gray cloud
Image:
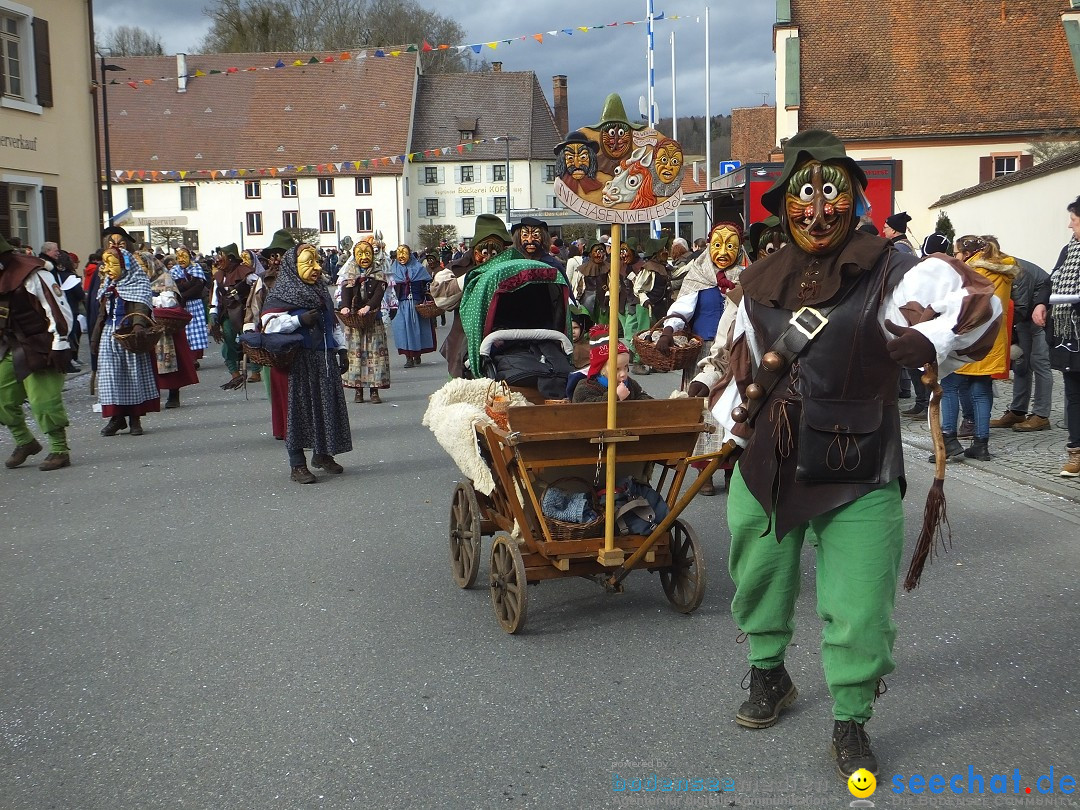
(595, 63)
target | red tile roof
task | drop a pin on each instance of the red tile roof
(925, 68)
(360, 106)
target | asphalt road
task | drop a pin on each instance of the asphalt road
(183, 627)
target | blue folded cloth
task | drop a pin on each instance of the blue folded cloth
(274, 342)
(569, 507)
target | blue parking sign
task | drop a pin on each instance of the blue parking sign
(728, 166)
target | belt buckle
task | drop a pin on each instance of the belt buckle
(809, 333)
(4, 312)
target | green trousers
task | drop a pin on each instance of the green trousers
(44, 391)
(230, 350)
(858, 548)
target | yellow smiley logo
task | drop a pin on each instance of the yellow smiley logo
(862, 784)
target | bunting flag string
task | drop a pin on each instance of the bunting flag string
(386, 52)
(166, 175)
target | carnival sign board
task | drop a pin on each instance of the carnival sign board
(617, 171)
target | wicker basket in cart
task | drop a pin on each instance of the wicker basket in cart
(680, 356)
(497, 403)
(565, 530)
(428, 309)
(142, 342)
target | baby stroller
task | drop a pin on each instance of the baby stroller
(516, 317)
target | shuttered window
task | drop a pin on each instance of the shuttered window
(42, 63)
(50, 211)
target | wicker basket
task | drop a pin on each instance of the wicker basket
(428, 309)
(356, 321)
(142, 342)
(563, 530)
(497, 403)
(172, 319)
(679, 357)
(260, 356)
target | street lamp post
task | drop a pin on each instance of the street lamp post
(105, 129)
(506, 139)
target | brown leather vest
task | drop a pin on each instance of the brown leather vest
(845, 372)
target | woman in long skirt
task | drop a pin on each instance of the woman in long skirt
(363, 287)
(413, 335)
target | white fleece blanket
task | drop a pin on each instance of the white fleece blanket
(451, 413)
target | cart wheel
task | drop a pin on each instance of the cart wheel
(508, 584)
(464, 536)
(684, 580)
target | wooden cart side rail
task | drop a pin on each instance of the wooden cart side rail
(503, 458)
(519, 437)
(536, 465)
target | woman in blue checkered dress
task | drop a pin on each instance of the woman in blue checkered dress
(191, 280)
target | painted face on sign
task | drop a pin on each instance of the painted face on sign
(112, 264)
(532, 240)
(487, 249)
(577, 157)
(307, 264)
(724, 242)
(819, 207)
(615, 140)
(403, 254)
(668, 161)
(183, 257)
(364, 255)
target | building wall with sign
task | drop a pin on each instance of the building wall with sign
(209, 213)
(47, 162)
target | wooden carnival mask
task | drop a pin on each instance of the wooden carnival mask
(364, 255)
(112, 263)
(486, 249)
(403, 254)
(245, 258)
(819, 206)
(668, 161)
(724, 244)
(183, 257)
(307, 264)
(615, 140)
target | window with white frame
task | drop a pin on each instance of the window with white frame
(431, 175)
(326, 187)
(12, 37)
(288, 188)
(252, 189)
(498, 173)
(468, 206)
(135, 199)
(1005, 164)
(327, 219)
(431, 207)
(19, 206)
(363, 185)
(549, 173)
(363, 220)
(188, 199)
(254, 223)
(499, 205)
(467, 174)
(290, 220)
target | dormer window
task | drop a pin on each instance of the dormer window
(467, 135)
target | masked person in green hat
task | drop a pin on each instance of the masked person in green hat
(489, 239)
(823, 329)
(34, 354)
(764, 237)
(270, 266)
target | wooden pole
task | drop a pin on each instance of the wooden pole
(609, 555)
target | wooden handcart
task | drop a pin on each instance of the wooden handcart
(546, 442)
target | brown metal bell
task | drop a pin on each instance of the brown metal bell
(772, 361)
(754, 391)
(740, 414)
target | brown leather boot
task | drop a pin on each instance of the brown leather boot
(375, 398)
(1007, 419)
(114, 426)
(326, 463)
(1072, 465)
(21, 453)
(359, 395)
(55, 461)
(136, 426)
(302, 475)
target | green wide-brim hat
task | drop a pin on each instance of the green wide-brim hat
(755, 232)
(650, 247)
(230, 250)
(811, 144)
(5, 246)
(489, 225)
(281, 243)
(615, 112)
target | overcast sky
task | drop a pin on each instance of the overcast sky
(595, 63)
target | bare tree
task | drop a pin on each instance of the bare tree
(249, 26)
(1044, 150)
(167, 237)
(431, 236)
(131, 40)
(304, 236)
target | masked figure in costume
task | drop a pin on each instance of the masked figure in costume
(531, 239)
(34, 354)
(413, 335)
(270, 260)
(489, 240)
(174, 366)
(232, 284)
(764, 238)
(126, 385)
(575, 164)
(300, 304)
(362, 288)
(823, 329)
(589, 283)
(191, 281)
